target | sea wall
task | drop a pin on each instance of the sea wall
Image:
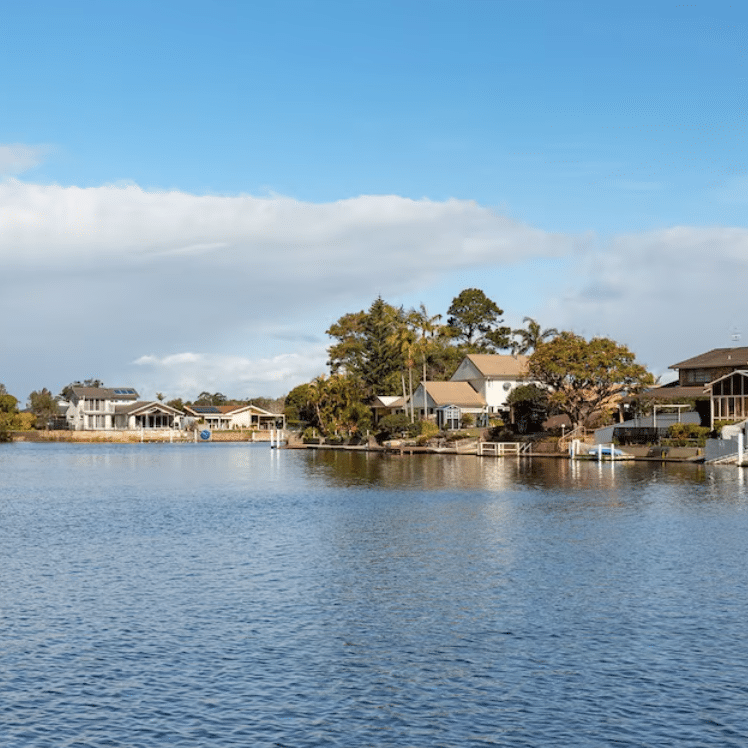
(146, 435)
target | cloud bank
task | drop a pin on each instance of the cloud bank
(179, 293)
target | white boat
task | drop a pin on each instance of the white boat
(608, 452)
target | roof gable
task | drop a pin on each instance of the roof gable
(496, 365)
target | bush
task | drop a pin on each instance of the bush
(428, 429)
(499, 433)
(682, 433)
(393, 425)
(455, 436)
(310, 435)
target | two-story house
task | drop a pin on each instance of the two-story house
(493, 376)
(118, 408)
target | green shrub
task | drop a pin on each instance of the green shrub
(681, 433)
(393, 425)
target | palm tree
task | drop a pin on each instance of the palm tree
(531, 336)
(403, 341)
(428, 326)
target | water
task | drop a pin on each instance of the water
(233, 595)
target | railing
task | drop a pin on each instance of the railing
(502, 449)
(578, 433)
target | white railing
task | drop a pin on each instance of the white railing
(501, 449)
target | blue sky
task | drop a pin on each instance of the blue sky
(191, 192)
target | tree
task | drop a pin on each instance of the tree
(329, 404)
(348, 355)
(365, 350)
(586, 376)
(475, 320)
(382, 361)
(529, 406)
(529, 338)
(403, 340)
(43, 405)
(67, 390)
(211, 398)
(299, 406)
(9, 417)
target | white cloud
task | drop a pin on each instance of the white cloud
(187, 374)
(668, 294)
(15, 158)
(95, 279)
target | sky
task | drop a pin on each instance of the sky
(191, 193)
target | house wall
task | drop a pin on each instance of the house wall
(691, 377)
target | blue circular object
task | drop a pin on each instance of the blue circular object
(205, 434)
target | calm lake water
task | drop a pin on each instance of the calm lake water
(233, 595)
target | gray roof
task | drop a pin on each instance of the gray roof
(105, 393)
(717, 357)
(145, 406)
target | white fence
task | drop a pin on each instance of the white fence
(501, 449)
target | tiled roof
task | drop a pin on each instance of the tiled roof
(496, 365)
(717, 357)
(460, 394)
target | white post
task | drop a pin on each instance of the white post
(612, 452)
(599, 452)
(740, 448)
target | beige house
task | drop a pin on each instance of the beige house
(228, 417)
(448, 402)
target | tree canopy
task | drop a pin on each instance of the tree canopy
(9, 416)
(585, 376)
(475, 320)
(43, 405)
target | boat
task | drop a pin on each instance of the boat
(608, 452)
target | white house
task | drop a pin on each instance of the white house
(108, 408)
(494, 376)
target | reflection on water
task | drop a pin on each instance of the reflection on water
(226, 595)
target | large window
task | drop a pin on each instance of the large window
(699, 376)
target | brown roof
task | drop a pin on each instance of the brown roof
(717, 357)
(670, 393)
(460, 394)
(496, 365)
